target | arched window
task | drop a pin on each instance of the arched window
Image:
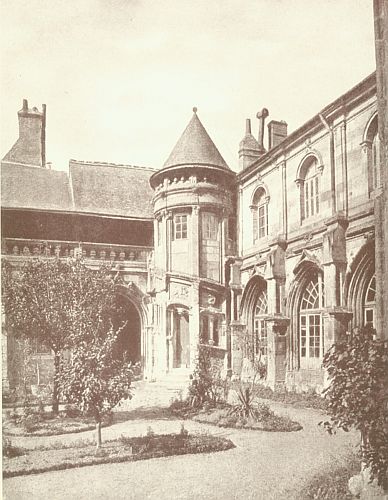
(309, 184)
(259, 210)
(259, 326)
(311, 191)
(360, 286)
(311, 323)
(371, 145)
(370, 303)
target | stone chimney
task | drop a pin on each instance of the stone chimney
(249, 149)
(277, 132)
(30, 148)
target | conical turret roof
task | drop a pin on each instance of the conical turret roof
(195, 147)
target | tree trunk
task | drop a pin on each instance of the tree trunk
(98, 434)
(55, 401)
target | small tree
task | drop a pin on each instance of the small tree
(358, 369)
(52, 302)
(93, 379)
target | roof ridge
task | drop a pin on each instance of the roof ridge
(110, 164)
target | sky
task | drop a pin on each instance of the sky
(120, 77)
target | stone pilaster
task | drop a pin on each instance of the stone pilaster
(237, 335)
(194, 324)
(276, 350)
(276, 323)
(194, 241)
(336, 317)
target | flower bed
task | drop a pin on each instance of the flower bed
(271, 423)
(43, 423)
(297, 400)
(124, 449)
(264, 419)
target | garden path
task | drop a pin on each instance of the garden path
(264, 465)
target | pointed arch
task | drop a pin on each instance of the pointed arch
(254, 311)
(304, 307)
(358, 281)
(252, 290)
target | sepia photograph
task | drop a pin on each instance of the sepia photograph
(194, 249)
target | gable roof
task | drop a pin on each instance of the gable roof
(110, 189)
(195, 147)
(91, 187)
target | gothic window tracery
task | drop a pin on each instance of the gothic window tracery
(311, 322)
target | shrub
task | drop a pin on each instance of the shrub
(357, 368)
(31, 417)
(11, 451)
(71, 411)
(245, 408)
(207, 385)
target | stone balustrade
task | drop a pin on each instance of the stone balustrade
(94, 251)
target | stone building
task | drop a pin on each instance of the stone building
(306, 235)
(279, 257)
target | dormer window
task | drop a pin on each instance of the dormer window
(180, 227)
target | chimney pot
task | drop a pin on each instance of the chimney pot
(25, 105)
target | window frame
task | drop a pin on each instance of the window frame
(311, 325)
(259, 209)
(259, 326)
(180, 227)
(210, 223)
(311, 191)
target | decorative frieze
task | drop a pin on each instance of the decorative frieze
(63, 249)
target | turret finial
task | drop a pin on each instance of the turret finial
(195, 110)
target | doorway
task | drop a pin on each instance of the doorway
(181, 339)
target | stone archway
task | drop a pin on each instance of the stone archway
(129, 340)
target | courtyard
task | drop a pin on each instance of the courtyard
(263, 465)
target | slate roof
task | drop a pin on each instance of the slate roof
(91, 187)
(110, 189)
(39, 188)
(195, 147)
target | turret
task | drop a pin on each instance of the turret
(194, 209)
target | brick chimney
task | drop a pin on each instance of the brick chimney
(277, 132)
(30, 148)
